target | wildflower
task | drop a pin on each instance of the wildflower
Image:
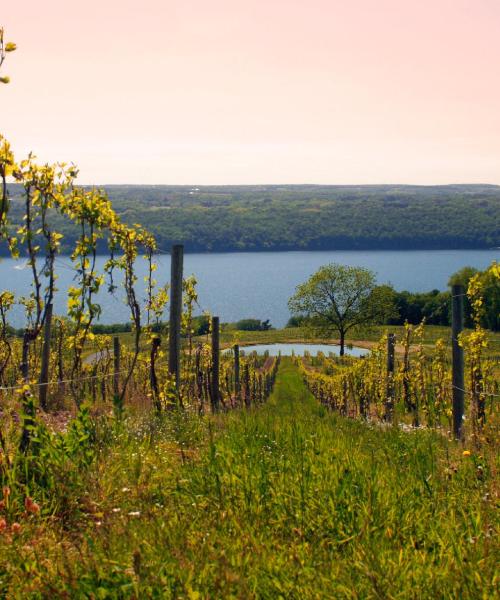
(6, 491)
(466, 453)
(3, 525)
(24, 390)
(31, 506)
(16, 527)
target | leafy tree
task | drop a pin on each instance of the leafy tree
(490, 285)
(338, 298)
(490, 282)
(463, 276)
(295, 321)
(434, 307)
(266, 325)
(253, 325)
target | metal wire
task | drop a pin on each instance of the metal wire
(101, 376)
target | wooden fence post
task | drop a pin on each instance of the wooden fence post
(457, 323)
(116, 366)
(389, 403)
(215, 364)
(236, 349)
(25, 365)
(199, 377)
(153, 379)
(246, 381)
(174, 333)
(44, 370)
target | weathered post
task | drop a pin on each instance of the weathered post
(457, 323)
(174, 333)
(44, 370)
(246, 381)
(25, 365)
(116, 366)
(389, 403)
(29, 410)
(153, 379)
(215, 364)
(236, 349)
(345, 398)
(199, 377)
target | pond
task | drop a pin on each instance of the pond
(300, 349)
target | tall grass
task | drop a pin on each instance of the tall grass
(282, 501)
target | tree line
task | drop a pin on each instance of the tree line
(258, 218)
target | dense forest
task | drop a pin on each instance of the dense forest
(305, 217)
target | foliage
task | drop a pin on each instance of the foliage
(411, 307)
(435, 306)
(462, 276)
(295, 321)
(256, 218)
(339, 298)
(253, 325)
(419, 387)
(490, 286)
(288, 500)
(5, 48)
(113, 495)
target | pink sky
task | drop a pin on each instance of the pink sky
(275, 91)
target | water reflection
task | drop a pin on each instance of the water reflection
(289, 349)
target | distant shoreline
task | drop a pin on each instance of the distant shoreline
(165, 251)
(228, 219)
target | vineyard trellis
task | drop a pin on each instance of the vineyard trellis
(60, 364)
(59, 357)
(417, 385)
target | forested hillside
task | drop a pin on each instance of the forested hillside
(253, 218)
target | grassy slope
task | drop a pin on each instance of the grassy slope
(283, 501)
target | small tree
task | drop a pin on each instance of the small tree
(338, 298)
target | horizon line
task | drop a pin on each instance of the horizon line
(194, 185)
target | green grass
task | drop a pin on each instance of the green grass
(282, 501)
(297, 334)
(229, 337)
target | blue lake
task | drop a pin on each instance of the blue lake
(240, 285)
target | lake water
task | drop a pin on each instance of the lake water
(300, 349)
(258, 285)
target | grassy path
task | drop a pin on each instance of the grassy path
(284, 501)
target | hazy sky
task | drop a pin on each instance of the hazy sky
(262, 91)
